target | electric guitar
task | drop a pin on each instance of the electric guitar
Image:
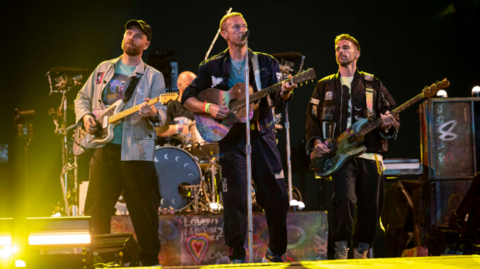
(106, 122)
(213, 130)
(348, 144)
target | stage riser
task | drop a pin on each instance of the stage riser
(198, 239)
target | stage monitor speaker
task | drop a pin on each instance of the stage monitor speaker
(59, 242)
(448, 138)
(116, 248)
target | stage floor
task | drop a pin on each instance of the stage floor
(443, 262)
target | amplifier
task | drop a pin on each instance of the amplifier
(448, 138)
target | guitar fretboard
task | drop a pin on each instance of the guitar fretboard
(377, 123)
(130, 111)
(274, 88)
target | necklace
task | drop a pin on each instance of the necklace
(239, 70)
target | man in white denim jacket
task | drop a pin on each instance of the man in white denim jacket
(126, 163)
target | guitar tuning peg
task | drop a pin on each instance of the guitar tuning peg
(312, 80)
(306, 82)
(301, 84)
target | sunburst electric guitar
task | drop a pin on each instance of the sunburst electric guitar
(213, 130)
(106, 121)
(348, 144)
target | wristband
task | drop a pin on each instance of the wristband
(207, 108)
(179, 128)
(203, 107)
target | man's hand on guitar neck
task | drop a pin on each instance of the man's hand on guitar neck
(319, 150)
(287, 88)
(218, 112)
(146, 110)
(388, 120)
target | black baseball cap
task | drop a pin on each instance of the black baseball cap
(143, 25)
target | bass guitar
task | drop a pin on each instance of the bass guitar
(106, 121)
(213, 130)
(348, 144)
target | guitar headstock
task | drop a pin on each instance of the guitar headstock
(430, 91)
(305, 76)
(167, 97)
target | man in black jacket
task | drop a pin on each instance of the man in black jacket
(338, 101)
(222, 72)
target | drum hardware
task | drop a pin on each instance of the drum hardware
(285, 58)
(68, 79)
(212, 170)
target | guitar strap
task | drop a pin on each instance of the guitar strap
(258, 81)
(131, 87)
(369, 113)
(256, 71)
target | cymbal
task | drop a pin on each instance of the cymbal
(208, 165)
(69, 70)
(162, 129)
(205, 150)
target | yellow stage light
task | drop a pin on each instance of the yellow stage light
(20, 263)
(60, 238)
(59, 231)
(8, 251)
(5, 240)
(59, 242)
(6, 231)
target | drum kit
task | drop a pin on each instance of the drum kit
(187, 169)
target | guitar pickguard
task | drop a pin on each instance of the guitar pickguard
(344, 151)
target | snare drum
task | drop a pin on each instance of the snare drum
(175, 168)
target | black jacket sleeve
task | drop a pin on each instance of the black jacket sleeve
(202, 82)
(278, 102)
(313, 128)
(387, 103)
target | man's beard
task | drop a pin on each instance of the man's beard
(345, 63)
(132, 50)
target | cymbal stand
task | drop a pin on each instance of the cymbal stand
(214, 206)
(64, 85)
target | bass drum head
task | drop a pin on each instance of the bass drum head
(175, 167)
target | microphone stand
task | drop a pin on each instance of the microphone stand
(215, 39)
(248, 149)
(289, 160)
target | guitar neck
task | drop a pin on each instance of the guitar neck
(377, 123)
(131, 110)
(260, 94)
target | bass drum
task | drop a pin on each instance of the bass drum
(175, 168)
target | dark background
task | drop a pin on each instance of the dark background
(407, 44)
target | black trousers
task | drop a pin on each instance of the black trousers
(271, 192)
(356, 184)
(109, 176)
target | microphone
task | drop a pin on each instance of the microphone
(245, 34)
